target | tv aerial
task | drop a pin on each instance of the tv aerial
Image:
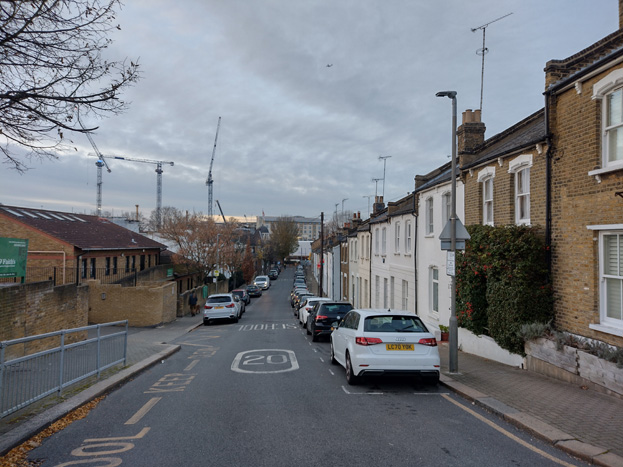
(483, 51)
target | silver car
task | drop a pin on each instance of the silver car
(262, 282)
(222, 306)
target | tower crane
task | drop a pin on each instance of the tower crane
(209, 180)
(158, 180)
(101, 162)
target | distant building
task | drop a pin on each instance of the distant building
(309, 227)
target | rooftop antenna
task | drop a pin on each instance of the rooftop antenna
(384, 159)
(376, 185)
(484, 51)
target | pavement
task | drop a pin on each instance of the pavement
(582, 422)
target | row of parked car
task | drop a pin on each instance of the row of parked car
(231, 306)
(368, 342)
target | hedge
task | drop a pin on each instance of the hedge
(503, 283)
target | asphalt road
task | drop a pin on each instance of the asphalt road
(260, 393)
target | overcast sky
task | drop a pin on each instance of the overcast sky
(298, 136)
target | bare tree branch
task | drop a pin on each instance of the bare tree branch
(51, 67)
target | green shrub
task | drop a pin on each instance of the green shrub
(502, 283)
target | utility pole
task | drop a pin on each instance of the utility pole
(345, 199)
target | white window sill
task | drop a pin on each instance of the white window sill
(408, 255)
(607, 329)
(429, 235)
(597, 173)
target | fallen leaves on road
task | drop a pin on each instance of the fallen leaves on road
(17, 457)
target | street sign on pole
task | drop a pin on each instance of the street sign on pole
(450, 261)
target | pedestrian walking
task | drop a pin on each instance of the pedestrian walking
(192, 301)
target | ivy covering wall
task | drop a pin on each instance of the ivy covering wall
(503, 283)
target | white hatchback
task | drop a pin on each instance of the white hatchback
(372, 342)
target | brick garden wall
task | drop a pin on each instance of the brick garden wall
(38, 308)
(149, 304)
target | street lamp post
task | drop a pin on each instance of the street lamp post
(453, 363)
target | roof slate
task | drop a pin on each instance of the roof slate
(80, 230)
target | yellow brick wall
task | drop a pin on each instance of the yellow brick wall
(39, 308)
(579, 200)
(504, 191)
(142, 306)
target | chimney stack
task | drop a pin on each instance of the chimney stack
(470, 135)
(378, 204)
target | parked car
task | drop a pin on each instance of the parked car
(222, 306)
(374, 342)
(298, 299)
(323, 316)
(244, 297)
(243, 294)
(263, 282)
(254, 291)
(299, 283)
(306, 307)
(295, 292)
(273, 274)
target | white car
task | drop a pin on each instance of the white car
(222, 306)
(307, 306)
(262, 282)
(374, 342)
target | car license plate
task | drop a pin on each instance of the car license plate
(218, 307)
(399, 346)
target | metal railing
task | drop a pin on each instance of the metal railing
(29, 378)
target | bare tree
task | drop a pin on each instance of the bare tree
(284, 235)
(201, 242)
(51, 67)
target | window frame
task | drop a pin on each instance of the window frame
(446, 206)
(397, 227)
(430, 221)
(384, 241)
(521, 165)
(433, 290)
(604, 278)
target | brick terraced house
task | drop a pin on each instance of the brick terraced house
(584, 116)
(73, 248)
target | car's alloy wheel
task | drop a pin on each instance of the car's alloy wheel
(350, 375)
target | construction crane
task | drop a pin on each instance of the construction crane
(158, 181)
(220, 209)
(101, 162)
(209, 180)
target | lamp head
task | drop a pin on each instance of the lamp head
(450, 94)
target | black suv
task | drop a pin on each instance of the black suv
(323, 315)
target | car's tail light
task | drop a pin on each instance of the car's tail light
(208, 307)
(319, 317)
(368, 340)
(232, 305)
(428, 341)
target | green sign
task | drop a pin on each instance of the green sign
(170, 272)
(13, 255)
